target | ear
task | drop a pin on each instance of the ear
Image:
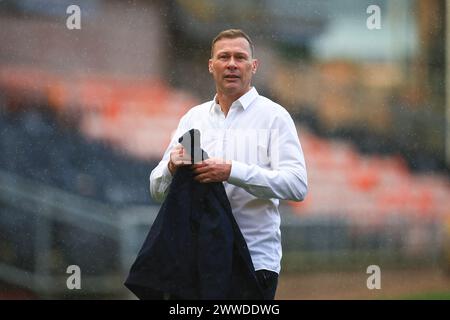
(210, 68)
(255, 64)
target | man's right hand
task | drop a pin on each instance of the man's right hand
(178, 158)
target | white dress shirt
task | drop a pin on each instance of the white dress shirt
(260, 138)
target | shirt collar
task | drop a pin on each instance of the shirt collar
(244, 101)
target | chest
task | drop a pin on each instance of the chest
(241, 137)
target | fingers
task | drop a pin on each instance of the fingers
(205, 172)
(200, 168)
(179, 157)
(180, 162)
(205, 163)
(202, 172)
(203, 178)
(203, 167)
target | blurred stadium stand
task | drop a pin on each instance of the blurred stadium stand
(48, 153)
(44, 230)
(80, 133)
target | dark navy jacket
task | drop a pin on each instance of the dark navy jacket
(194, 249)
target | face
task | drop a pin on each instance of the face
(232, 66)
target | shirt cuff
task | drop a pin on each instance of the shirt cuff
(238, 173)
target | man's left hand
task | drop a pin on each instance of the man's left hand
(212, 170)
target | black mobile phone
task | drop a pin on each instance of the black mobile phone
(191, 143)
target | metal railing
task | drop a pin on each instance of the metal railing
(48, 220)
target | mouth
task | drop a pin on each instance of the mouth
(231, 76)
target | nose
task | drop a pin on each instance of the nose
(231, 63)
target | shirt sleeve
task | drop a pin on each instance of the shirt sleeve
(286, 178)
(160, 177)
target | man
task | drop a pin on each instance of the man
(254, 150)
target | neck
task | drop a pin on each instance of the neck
(226, 100)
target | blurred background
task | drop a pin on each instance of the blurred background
(86, 114)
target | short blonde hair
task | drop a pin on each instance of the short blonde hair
(232, 34)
